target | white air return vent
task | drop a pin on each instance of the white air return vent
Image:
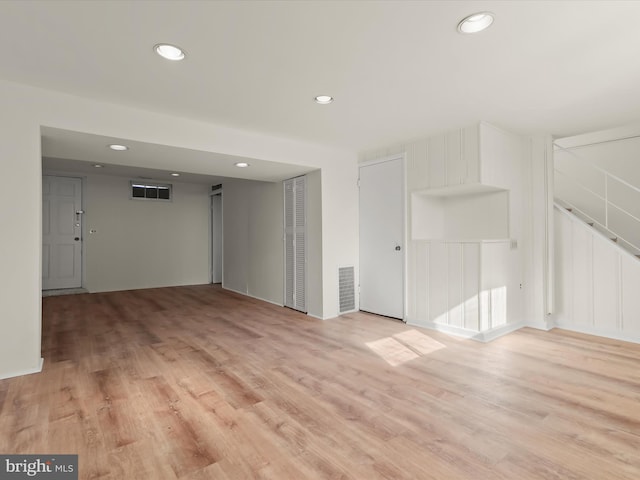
(347, 289)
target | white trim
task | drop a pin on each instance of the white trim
(549, 324)
(402, 156)
(387, 158)
(549, 246)
(497, 332)
(215, 193)
(590, 330)
(484, 337)
(405, 236)
(246, 294)
(603, 136)
(20, 373)
(294, 231)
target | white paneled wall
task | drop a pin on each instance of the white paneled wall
(484, 283)
(465, 205)
(467, 286)
(597, 282)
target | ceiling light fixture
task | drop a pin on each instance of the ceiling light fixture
(97, 165)
(475, 23)
(324, 99)
(242, 164)
(118, 148)
(168, 51)
(175, 174)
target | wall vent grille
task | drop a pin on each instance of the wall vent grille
(347, 289)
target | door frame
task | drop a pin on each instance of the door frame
(306, 243)
(214, 193)
(402, 156)
(83, 223)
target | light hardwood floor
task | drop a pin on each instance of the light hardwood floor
(199, 383)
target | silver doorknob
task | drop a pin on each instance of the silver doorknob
(398, 248)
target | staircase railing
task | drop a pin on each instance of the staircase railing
(598, 210)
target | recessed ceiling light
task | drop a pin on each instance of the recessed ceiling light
(168, 51)
(324, 99)
(118, 148)
(97, 165)
(175, 174)
(242, 164)
(476, 23)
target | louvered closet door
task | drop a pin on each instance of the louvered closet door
(295, 225)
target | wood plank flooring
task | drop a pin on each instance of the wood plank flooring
(197, 383)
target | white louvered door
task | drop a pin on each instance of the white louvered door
(295, 256)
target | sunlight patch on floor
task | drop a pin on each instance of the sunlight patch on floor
(404, 347)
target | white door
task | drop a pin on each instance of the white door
(61, 232)
(382, 238)
(216, 238)
(295, 252)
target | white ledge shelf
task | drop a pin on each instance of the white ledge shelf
(464, 213)
(456, 190)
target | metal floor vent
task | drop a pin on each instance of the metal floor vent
(347, 289)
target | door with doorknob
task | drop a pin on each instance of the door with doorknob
(61, 232)
(382, 237)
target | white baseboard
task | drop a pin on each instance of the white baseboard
(589, 330)
(545, 326)
(20, 373)
(252, 296)
(501, 331)
(484, 337)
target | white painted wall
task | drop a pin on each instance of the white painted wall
(537, 232)
(340, 216)
(25, 109)
(20, 241)
(597, 282)
(314, 243)
(473, 286)
(144, 243)
(252, 230)
(253, 240)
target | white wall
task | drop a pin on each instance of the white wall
(597, 282)
(20, 241)
(474, 286)
(314, 243)
(25, 109)
(144, 243)
(339, 223)
(537, 232)
(252, 238)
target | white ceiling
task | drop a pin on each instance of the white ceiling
(68, 151)
(397, 70)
